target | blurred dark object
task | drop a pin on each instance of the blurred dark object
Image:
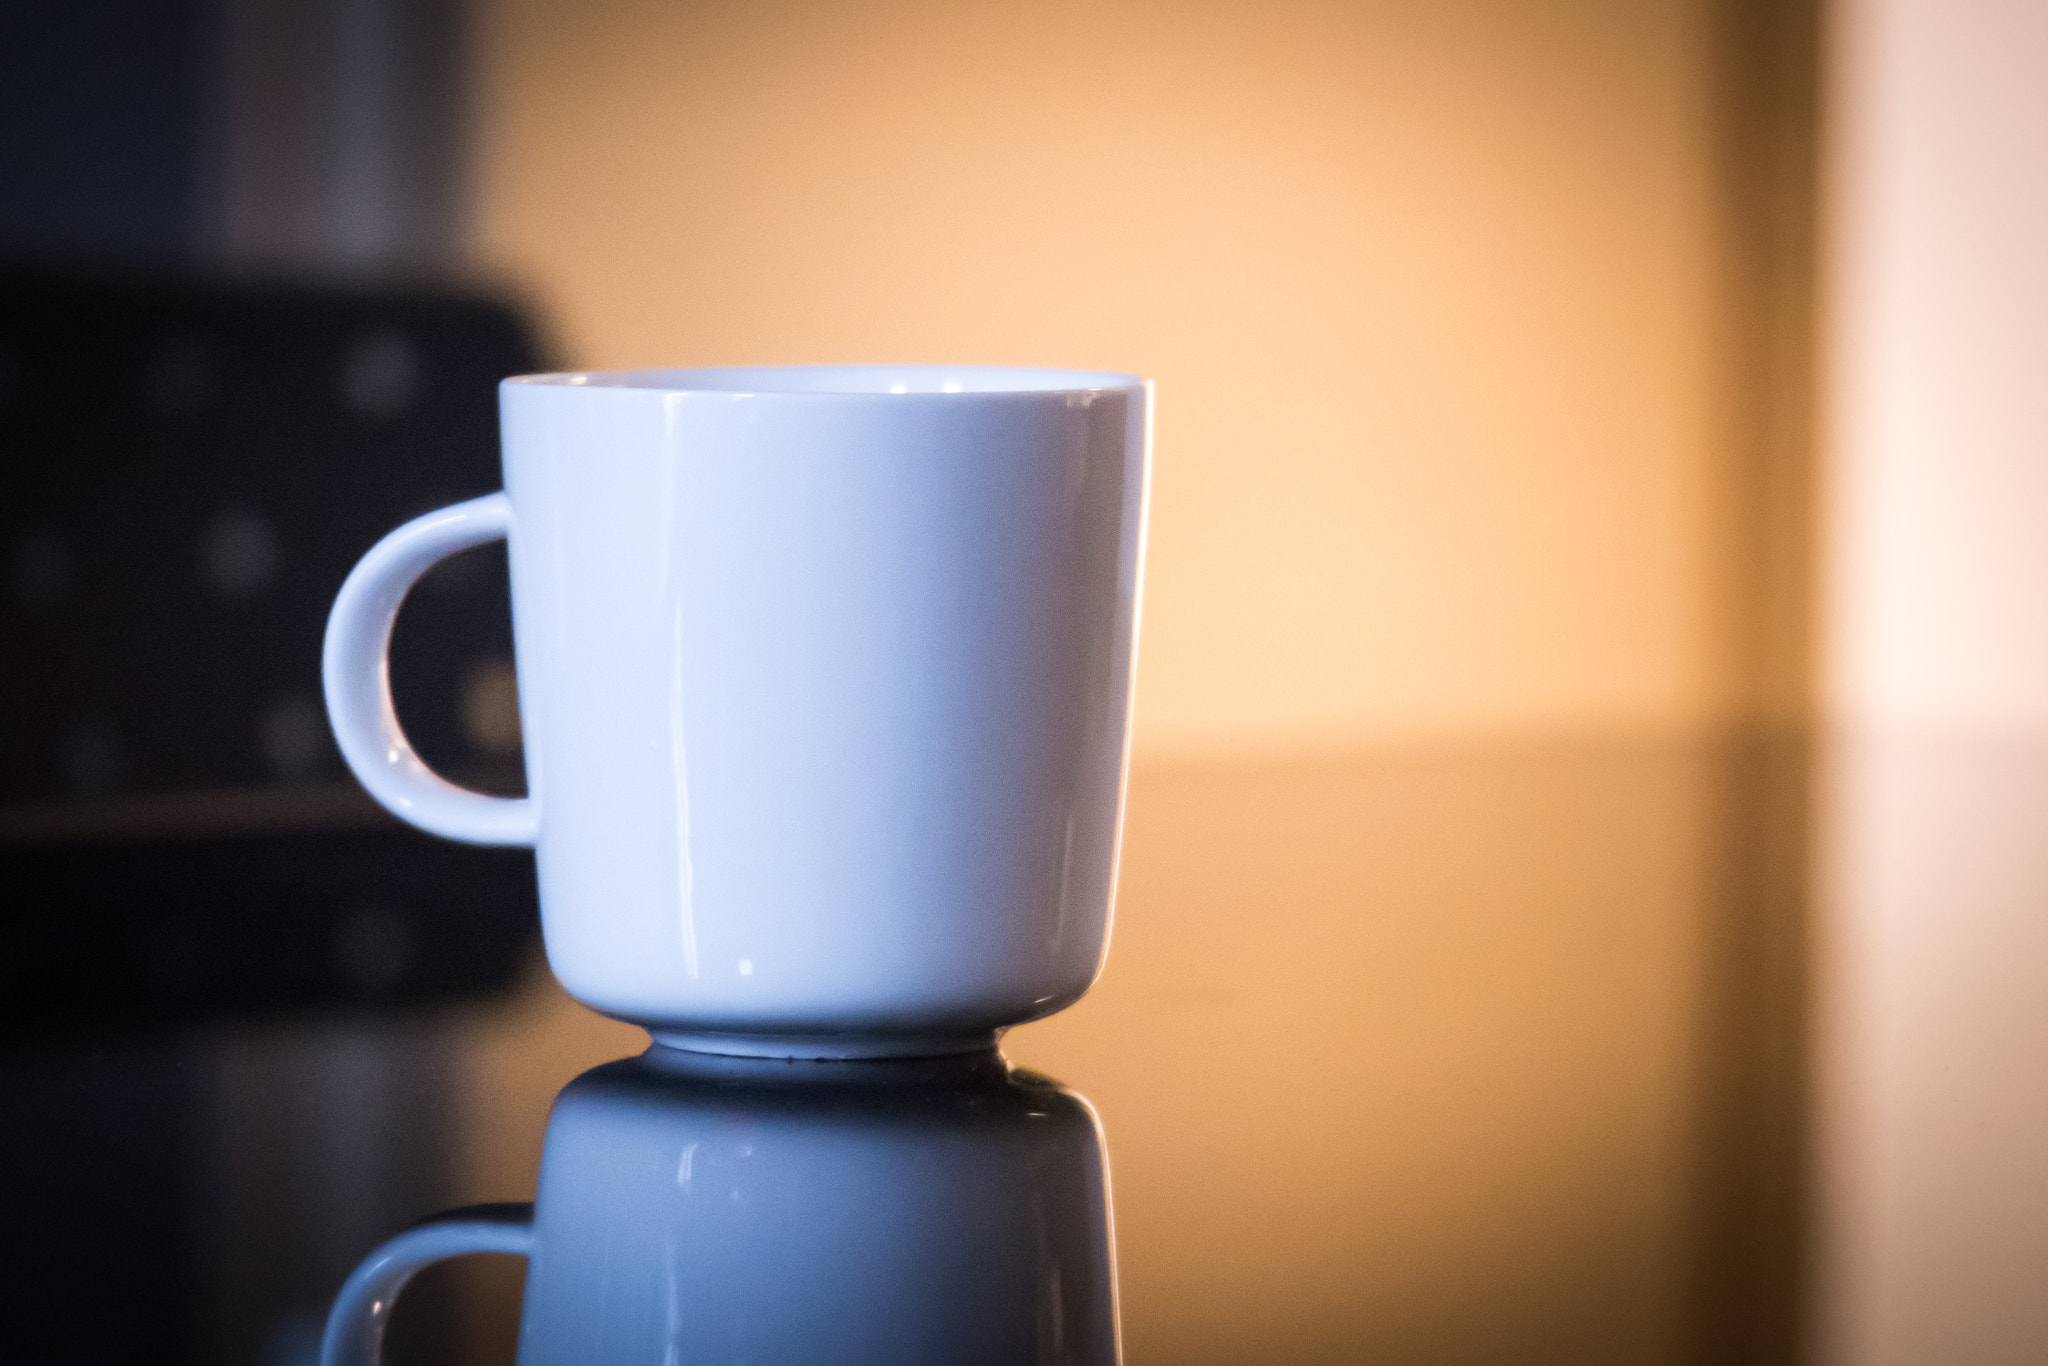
(103, 128)
(190, 472)
(186, 472)
(320, 138)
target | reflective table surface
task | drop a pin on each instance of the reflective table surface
(1452, 1054)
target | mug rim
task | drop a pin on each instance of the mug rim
(842, 381)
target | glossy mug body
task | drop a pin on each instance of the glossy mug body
(824, 677)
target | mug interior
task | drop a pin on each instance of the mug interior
(845, 379)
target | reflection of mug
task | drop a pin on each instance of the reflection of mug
(824, 677)
(735, 1210)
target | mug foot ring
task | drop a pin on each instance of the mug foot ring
(828, 1046)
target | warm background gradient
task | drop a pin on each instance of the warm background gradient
(1432, 293)
(1475, 616)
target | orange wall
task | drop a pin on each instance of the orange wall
(1427, 287)
(1453, 451)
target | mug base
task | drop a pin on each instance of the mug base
(827, 1046)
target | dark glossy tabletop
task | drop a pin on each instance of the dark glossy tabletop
(1397, 1057)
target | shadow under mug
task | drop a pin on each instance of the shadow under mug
(732, 1209)
(824, 679)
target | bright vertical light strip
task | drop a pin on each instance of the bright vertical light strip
(1931, 957)
(679, 770)
(686, 876)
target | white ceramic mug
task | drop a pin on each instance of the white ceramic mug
(736, 1209)
(825, 679)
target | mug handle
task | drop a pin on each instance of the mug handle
(356, 1323)
(355, 671)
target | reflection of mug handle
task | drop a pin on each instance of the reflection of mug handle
(355, 667)
(355, 1326)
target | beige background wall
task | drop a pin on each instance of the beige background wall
(1452, 1010)
(1427, 287)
